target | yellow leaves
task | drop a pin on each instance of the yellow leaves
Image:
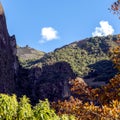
(115, 50)
(116, 56)
(105, 112)
(115, 103)
(91, 106)
(89, 111)
(114, 109)
(107, 98)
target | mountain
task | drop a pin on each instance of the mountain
(42, 75)
(8, 60)
(48, 81)
(39, 75)
(26, 54)
(50, 76)
(88, 58)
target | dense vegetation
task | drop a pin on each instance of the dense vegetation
(86, 57)
(12, 109)
(102, 103)
(82, 54)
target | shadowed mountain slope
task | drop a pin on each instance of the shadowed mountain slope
(82, 55)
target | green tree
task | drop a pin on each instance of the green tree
(42, 111)
(8, 107)
(24, 109)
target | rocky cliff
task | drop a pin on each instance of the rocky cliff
(50, 81)
(49, 76)
(8, 61)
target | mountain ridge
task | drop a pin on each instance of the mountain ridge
(26, 54)
(8, 60)
(85, 58)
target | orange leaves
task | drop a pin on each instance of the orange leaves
(107, 93)
(115, 8)
(89, 111)
(116, 57)
(79, 87)
(71, 106)
(114, 109)
(106, 97)
(103, 103)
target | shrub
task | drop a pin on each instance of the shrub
(42, 111)
(8, 107)
(25, 111)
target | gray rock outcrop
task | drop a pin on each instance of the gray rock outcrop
(8, 61)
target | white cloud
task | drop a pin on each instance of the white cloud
(48, 34)
(104, 29)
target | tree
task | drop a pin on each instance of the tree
(24, 111)
(8, 107)
(115, 8)
(42, 111)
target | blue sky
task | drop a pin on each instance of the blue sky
(49, 24)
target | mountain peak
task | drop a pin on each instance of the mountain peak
(8, 60)
(1, 9)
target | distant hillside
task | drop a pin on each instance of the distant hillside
(88, 57)
(26, 54)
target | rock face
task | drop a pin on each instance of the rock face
(53, 82)
(28, 54)
(8, 61)
(50, 81)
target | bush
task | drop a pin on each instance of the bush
(67, 117)
(8, 107)
(42, 111)
(25, 111)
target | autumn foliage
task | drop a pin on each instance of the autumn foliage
(99, 103)
(95, 104)
(115, 8)
(87, 104)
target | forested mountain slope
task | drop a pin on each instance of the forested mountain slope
(88, 58)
